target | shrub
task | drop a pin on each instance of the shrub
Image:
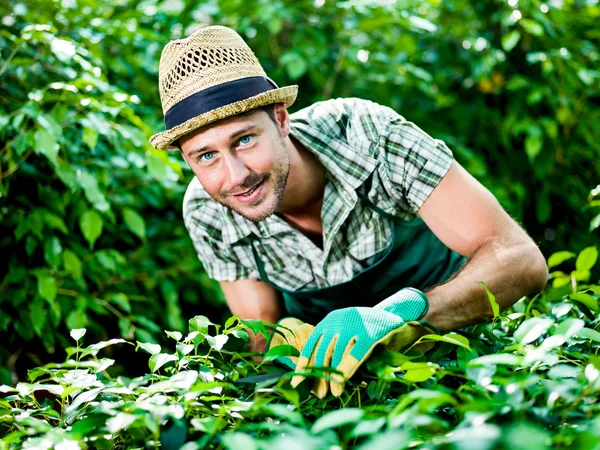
(529, 379)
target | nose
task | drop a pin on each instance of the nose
(236, 171)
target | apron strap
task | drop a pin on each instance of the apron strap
(376, 208)
(259, 263)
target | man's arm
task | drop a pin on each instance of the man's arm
(468, 219)
(253, 299)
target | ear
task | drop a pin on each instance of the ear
(283, 119)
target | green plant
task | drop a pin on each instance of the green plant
(529, 379)
(90, 226)
(87, 205)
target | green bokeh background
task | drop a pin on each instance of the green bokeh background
(91, 231)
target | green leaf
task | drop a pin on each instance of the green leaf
(89, 183)
(217, 342)
(569, 327)
(586, 299)
(67, 175)
(492, 299)
(160, 359)
(72, 263)
(559, 258)
(294, 63)
(153, 349)
(157, 168)
(510, 40)
(585, 76)
(235, 440)
(532, 329)
(120, 422)
(507, 359)
(77, 333)
(122, 301)
(337, 418)
(595, 223)
(200, 324)
(54, 222)
(52, 251)
(91, 225)
(174, 335)
(423, 24)
(418, 372)
(45, 143)
(135, 223)
(450, 338)
(38, 315)
(561, 309)
(564, 371)
(588, 333)
(533, 146)
(77, 318)
(587, 258)
(281, 350)
(90, 137)
(47, 286)
(532, 27)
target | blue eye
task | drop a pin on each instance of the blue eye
(245, 140)
(207, 156)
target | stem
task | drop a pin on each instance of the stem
(14, 52)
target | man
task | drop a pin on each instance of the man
(343, 215)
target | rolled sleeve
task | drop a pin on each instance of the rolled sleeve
(416, 162)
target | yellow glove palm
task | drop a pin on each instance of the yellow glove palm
(290, 331)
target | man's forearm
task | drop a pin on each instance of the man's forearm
(509, 271)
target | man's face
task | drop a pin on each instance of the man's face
(242, 162)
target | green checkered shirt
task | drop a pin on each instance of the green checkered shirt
(365, 148)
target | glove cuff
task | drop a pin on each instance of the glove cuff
(409, 303)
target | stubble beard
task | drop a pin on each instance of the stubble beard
(277, 178)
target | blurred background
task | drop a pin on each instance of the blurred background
(91, 233)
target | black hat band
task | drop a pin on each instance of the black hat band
(215, 97)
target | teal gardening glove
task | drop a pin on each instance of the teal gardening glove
(346, 337)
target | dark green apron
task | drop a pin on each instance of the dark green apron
(415, 258)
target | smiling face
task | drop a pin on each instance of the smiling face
(242, 162)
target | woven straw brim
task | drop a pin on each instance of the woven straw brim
(164, 141)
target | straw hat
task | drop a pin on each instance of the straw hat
(209, 76)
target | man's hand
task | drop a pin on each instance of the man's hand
(346, 337)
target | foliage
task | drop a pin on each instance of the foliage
(530, 379)
(87, 205)
(90, 221)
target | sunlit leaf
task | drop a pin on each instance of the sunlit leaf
(510, 40)
(158, 360)
(91, 225)
(587, 258)
(531, 329)
(47, 287)
(337, 418)
(135, 223)
(78, 333)
(559, 257)
(450, 338)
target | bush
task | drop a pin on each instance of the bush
(88, 207)
(527, 380)
(90, 223)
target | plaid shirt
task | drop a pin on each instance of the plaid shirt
(365, 148)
